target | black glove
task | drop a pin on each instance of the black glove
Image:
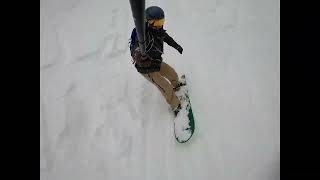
(142, 61)
(179, 48)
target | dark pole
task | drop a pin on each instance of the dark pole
(138, 8)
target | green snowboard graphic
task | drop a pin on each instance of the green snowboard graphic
(184, 124)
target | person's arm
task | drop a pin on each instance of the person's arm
(169, 40)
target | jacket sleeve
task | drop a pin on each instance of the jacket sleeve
(169, 40)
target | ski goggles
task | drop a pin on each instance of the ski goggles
(156, 22)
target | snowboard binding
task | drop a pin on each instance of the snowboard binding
(181, 82)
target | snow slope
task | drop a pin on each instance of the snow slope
(101, 120)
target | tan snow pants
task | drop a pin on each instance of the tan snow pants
(165, 80)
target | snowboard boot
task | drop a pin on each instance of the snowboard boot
(177, 110)
(181, 82)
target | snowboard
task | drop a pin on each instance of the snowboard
(184, 124)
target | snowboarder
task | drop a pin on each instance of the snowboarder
(152, 67)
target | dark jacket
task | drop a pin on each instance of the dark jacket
(154, 48)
